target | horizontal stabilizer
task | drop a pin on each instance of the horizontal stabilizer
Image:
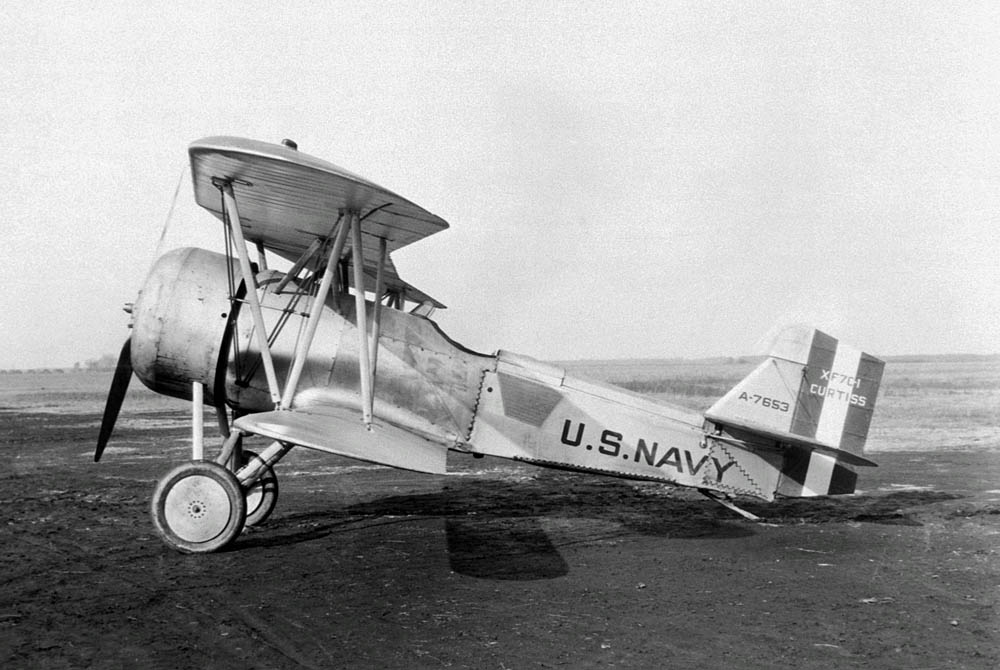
(341, 431)
(812, 391)
(796, 441)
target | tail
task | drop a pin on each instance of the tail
(812, 400)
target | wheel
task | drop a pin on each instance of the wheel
(262, 495)
(198, 507)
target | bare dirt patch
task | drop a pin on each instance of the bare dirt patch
(497, 567)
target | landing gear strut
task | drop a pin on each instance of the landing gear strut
(262, 494)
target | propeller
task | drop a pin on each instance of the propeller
(116, 395)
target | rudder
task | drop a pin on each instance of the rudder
(813, 392)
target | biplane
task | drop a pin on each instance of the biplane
(338, 353)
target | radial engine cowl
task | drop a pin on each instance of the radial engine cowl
(180, 322)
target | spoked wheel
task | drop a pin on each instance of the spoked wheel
(262, 495)
(199, 507)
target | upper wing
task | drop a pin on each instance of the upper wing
(287, 199)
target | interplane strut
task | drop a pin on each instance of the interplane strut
(251, 281)
(349, 224)
(361, 313)
(302, 350)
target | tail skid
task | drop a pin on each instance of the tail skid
(728, 504)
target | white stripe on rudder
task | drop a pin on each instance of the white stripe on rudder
(819, 475)
(830, 428)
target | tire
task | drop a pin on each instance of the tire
(198, 507)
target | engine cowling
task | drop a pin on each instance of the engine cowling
(181, 324)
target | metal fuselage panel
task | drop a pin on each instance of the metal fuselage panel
(179, 323)
(531, 411)
(423, 381)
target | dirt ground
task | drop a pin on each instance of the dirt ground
(499, 566)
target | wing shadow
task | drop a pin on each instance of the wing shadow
(494, 528)
(502, 549)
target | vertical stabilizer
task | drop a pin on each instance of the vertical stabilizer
(812, 391)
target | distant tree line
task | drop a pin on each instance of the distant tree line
(105, 362)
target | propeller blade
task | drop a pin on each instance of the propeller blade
(119, 385)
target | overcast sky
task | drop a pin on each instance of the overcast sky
(650, 180)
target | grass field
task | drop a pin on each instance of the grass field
(925, 403)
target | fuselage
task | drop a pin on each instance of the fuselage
(501, 404)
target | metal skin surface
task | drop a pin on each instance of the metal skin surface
(431, 394)
(424, 382)
(430, 387)
(179, 321)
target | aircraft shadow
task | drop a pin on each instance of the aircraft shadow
(516, 549)
(649, 511)
(494, 528)
(294, 528)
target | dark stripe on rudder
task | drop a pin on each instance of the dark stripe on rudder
(795, 469)
(809, 406)
(859, 419)
(843, 481)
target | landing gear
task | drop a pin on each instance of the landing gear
(199, 507)
(262, 494)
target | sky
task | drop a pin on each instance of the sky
(664, 179)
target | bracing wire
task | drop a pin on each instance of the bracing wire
(170, 212)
